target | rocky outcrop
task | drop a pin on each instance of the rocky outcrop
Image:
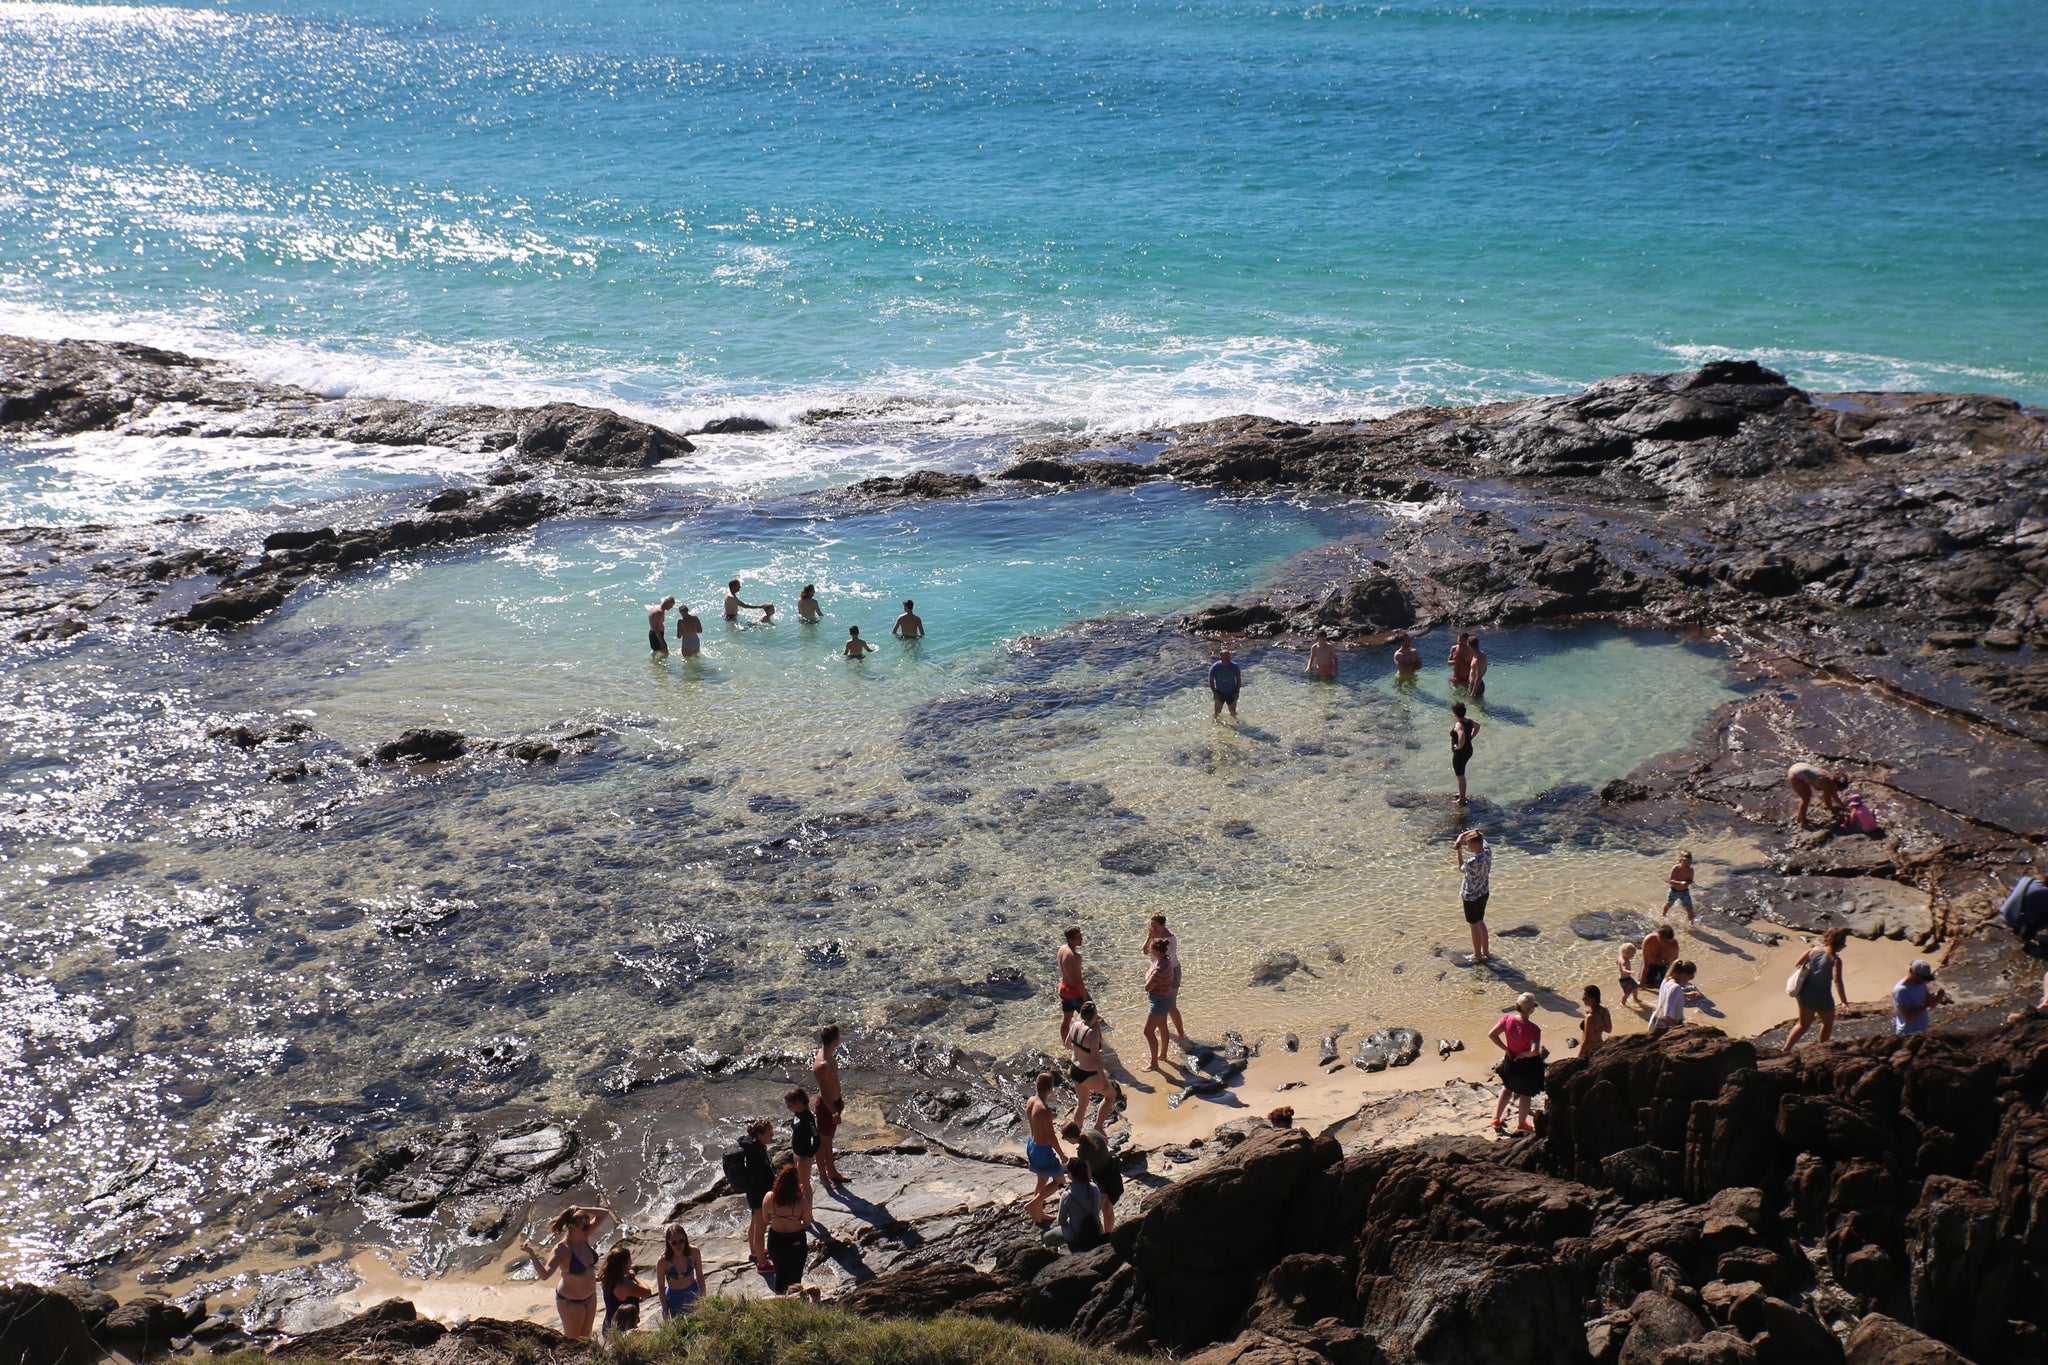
(62, 388)
(1684, 1203)
(924, 483)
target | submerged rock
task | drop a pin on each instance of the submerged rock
(424, 744)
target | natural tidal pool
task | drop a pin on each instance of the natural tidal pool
(240, 979)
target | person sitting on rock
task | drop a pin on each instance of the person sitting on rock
(1080, 1209)
(1808, 782)
(1093, 1147)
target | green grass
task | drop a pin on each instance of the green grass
(793, 1332)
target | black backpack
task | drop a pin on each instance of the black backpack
(2025, 912)
(735, 1162)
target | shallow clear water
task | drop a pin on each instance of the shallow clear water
(1063, 213)
(242, 978)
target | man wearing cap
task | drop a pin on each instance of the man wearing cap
(1913, 998)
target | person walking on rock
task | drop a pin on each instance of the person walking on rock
(1475, 888)
(1520, 1038)
(1087, 1069)
(1914, 997)
(1042, 1152)
(1819, 983)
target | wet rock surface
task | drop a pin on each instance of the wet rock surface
(63, 388)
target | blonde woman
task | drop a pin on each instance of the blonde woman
(576, 1299)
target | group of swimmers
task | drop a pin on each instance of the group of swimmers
(690, 629)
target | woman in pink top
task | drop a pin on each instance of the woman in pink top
(1521, 1070)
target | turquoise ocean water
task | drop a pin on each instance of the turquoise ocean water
(1034, 214)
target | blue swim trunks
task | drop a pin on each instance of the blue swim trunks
(1042, 1159)
(1681, 894)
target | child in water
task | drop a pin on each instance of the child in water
(857, 648)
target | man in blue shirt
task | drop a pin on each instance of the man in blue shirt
(1913, 997)
(1225, 678)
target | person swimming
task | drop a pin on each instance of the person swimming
(857, 648)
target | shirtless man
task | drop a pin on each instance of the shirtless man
(1407, 658)
(1073, 992)
(831, 1104)
(1322, 660)
(1460, 659)
(857, 648)
(1660, 950)
(733, 605)
(1042, 1150)
(1680, 884)
(1154, 931)
(1087, 1070)
(909, 626)
(1475, 668)
(1808, 782)
(657, 626)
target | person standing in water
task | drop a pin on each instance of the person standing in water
(1475, 667)
(807, 609)
(909, 626)
(1407, 658)
(1042, 1154)
(1159, 1002)
(1155, 930)
(857, 648)
(1463, 731)
(1225, 678)
(1322, 660)
(576, 1300)
(831, 1105)
(1680, 882)
(1475, 888)
(733, 605)
(1073, 991)
(657, 626)
(689, 633)
(1460, 660)
(1660, 950)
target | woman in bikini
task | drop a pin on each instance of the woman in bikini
(680, 1273)
(576, 1300)
(788, 1207)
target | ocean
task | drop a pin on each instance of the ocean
(1033, 215)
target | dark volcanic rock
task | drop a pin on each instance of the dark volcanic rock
(392, 1325)
(43, 1327)
(428, 744)
(925, 483)
(66, 387)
